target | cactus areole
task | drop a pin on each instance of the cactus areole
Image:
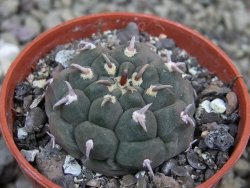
(122, 110)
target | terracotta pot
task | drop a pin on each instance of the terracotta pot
(196, 45)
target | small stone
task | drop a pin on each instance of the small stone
(232, 181)
(8, 7)
(204, 117)
(195, 161)
(181, 159)
(10, 38)
(179, 171)
(179, 55)
(218, 106)
(160, 181)
(71, 166)
(51, 19)
(44, 5)
(50, 161)
(214, 90)
(193, 70)
(25, 34)
(94, 183)
(30, 154)
(209, 173)
(167, 166)
(142, 181)
(22, 182)
(222, 158)
(64, 56)
(67, 14)
(128, 180)
(219, 139)
(35, 119)
(206, 106)
(233, 129)
(27, 100)
(232, 102)
(39, 83)
(167, 43)
(186, 181)
(65, 181)
(242, 168)
(22, 90)
(22, 133)
(32, 24)
(113, 183)
(6, 158)
(8, 53)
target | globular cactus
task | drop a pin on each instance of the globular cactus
(123, 109)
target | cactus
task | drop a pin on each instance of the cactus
(123, 109)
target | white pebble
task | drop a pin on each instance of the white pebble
(71, 166)
(39, 83)
(22, 133)
(193, 70)
(30, 154)
(8, 53)
(206, 106)
(64, 56)
(218, 106)
(140, 173)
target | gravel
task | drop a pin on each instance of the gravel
(226, 23)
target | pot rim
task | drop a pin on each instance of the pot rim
(41, 179)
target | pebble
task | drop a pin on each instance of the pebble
(206, 105)
(35, 119)
(9, 38)
(186, 182)
(167, 43)
(44, 5)
(179, 171)
(218, 106)
(25, 34)
(209, 173)
(22, 90)
(53, 167)
(64, 56)
(160, 181)
(6, 158)
(222, 158)
(39, 83)
(53, 18)
(32, 23)
(128, 180)
(230, 181)
(219, 139)
(8, 52)
(195, 161)
(71, 166)
(232, 102)
(22, 133)
(8, 7)
(22, 182)
(167, 166)
(242, 168)
(30, 154)
(94, 183)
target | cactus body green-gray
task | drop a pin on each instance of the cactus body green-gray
(102, 110)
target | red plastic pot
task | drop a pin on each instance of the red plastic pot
(209, 55)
